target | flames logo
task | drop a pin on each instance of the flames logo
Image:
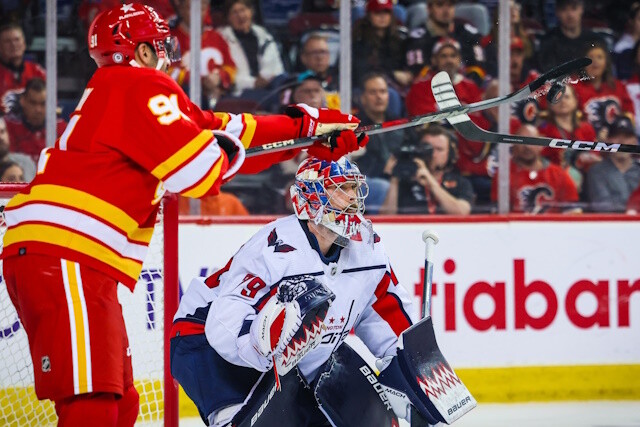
(602, 111)
(533, 198)
(526, 110)
(441, 379)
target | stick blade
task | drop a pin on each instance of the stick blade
(558, 72)
(436, 384)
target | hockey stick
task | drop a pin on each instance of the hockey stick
(447, 98)
(553, 76)
(437, 380)
(430, 239)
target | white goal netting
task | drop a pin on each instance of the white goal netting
(144, 317)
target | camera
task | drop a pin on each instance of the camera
(406, 168)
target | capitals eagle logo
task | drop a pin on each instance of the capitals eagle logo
(278, 245)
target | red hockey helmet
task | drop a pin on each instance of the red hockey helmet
(115, 33)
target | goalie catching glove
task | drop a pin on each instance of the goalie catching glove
(289, 325)
(339, 127)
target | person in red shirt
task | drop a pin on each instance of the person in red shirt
(535, 184)
(27, 128)
(603, 97)
(446, 57)
(15, 70)
(85, 222)
(217, 69)
(564, 122)
(478, 160)
(519, 75)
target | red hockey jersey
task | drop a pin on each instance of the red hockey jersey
(537, 191)
(26, 139)
(473, 156)
(601, 106)
(133, 135)
(12, 82)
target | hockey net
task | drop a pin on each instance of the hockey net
(147, 311)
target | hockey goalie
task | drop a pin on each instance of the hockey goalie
(262, 341)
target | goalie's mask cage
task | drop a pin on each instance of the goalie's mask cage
(148, 315)
(331, 194)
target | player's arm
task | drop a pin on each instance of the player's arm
(299, 121)
(247, 325)
(386, 316)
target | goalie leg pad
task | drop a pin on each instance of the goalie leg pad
(349, 393)
(432, 385)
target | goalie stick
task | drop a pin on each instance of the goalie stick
(447, 98)
(555, 75)
(420, 357)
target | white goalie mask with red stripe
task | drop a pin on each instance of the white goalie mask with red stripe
(331, 194)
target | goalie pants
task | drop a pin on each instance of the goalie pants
(74, 324)
(212, 383)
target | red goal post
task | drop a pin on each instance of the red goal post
(148, 313)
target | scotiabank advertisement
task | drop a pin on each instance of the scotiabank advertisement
(506, 292)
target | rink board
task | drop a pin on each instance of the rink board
(494, 276)
(524, 310)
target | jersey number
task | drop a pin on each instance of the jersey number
(253, 286)
(166, 108)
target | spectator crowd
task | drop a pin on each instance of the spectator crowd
(253, 59)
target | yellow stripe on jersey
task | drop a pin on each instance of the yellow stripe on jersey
(249, 130)
(74, 241)
(186, 152)
(225, 117)
(81, 345)
(204, 186)
(85, 202)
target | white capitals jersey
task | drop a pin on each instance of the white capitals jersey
(369, 299)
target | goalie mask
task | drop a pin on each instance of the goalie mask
(115, 34)
(331, 194)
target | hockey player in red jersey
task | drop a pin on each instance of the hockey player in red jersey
(85, 222)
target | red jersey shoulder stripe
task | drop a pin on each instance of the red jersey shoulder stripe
(182, 155)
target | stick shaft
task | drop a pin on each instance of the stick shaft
(427, 289)
(445, 113)
(430, 239)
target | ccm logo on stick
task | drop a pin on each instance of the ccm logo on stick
(584, 145)
(277, 144)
